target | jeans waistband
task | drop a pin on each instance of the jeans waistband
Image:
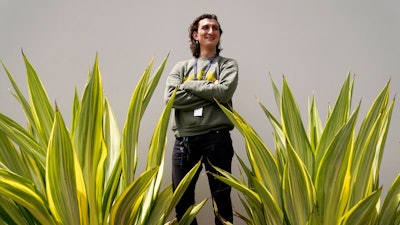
(220, 131)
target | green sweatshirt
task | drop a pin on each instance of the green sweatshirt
(196, 111)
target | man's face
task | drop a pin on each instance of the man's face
(208, 33)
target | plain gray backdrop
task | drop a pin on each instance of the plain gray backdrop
(314, 44)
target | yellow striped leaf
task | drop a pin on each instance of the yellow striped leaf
(60, 175)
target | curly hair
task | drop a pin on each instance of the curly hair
(194, 45)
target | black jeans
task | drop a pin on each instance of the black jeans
(214, 147)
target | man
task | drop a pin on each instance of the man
(201, 128)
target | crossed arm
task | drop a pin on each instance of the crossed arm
(193, 94)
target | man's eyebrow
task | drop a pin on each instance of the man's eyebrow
(211, 25)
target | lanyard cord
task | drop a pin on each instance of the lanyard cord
(207, 68)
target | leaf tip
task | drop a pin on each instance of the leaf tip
(57, 109)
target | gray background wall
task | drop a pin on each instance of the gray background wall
(312, 43)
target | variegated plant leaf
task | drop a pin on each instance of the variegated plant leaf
(389, 211)
(89, 144)
(156, 159)
(263, 163)
(314, 125)
(130, 133)
(299, 194)
(61, 175)
(336, 118)
(334, 167)
(41, 106)
(126, 207)
(22, 191)
(369, 146)
(364, 212)
(293, 128)
(191, 213)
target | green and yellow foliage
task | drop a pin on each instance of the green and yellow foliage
(322, 174)
(50, 174)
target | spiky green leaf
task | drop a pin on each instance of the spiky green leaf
(127, 205)
(23, 192)
(42, 110)
(61, 168)
(293, 127)
(299, 194)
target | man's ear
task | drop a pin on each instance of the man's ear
(194, 35)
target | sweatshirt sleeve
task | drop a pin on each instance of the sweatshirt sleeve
(221, 91)
(184, 100)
